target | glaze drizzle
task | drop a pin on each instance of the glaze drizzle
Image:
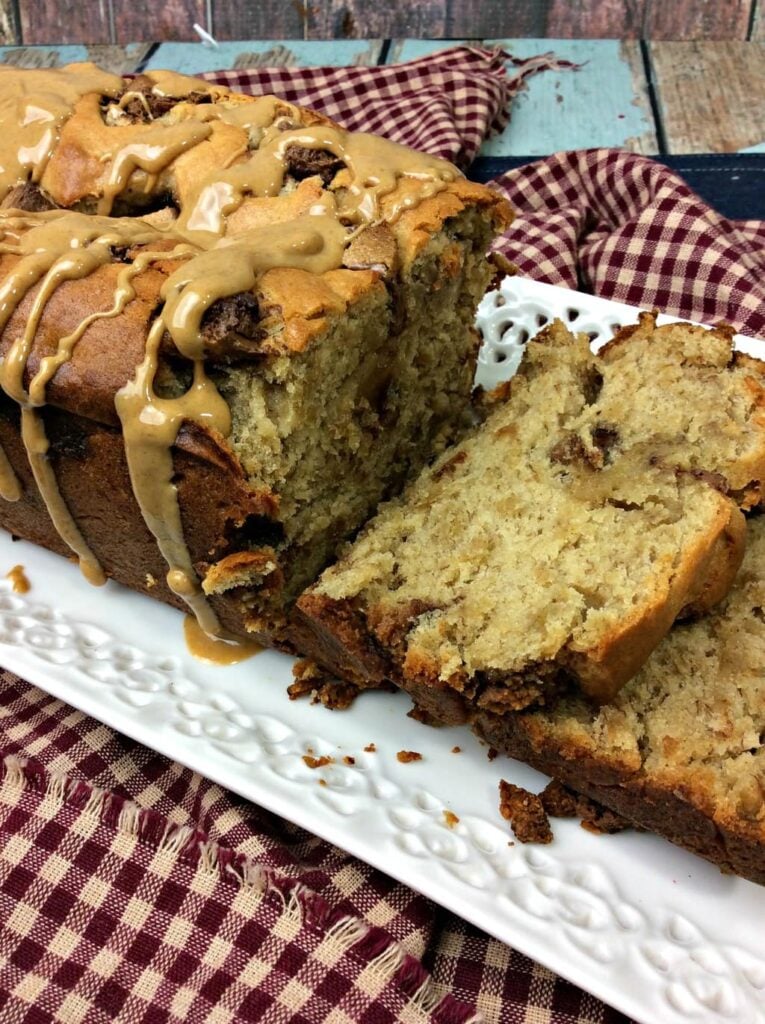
(54, 247)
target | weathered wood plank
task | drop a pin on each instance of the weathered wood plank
(259, 19)
(94, 21)
(194, 59)
(495, 18)
(146, 19)
(694, 19)
(370, 19)
(596, 19)
(711, 95)
(9, 29)
(604, 103)
(758, 21)
(119, 59)
(53, 22)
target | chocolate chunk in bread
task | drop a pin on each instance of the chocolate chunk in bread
(144, 104)
(305, 161)
(28, 197)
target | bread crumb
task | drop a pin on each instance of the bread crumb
(370, 748)
(407, 756)
(456, 750)
(322, 782)
(492, 753)
(558, 801)
(323, 689)
(318, 762)
(561, 802)
(349, 760)
(451, 819)
(525, 813)
(150, 580)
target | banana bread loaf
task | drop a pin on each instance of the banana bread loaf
(681, 750)
(228, 329)
(555, 546)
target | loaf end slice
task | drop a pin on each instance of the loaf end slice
(681, 750)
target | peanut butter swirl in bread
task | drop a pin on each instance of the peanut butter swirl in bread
(207, 209)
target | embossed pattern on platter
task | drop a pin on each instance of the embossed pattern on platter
(581, 901)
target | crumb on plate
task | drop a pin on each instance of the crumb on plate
(318, 762)
(525, 812)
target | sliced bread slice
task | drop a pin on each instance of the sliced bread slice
(542, 552)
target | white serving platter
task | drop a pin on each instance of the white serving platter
(650, 929)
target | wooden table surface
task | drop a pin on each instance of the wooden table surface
(652, 97)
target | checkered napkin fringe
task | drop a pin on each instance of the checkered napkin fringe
(627, 228)
(133, 889)
(446, 103)
(113, 913)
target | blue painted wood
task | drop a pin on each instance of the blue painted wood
(193, 58)
(119, 59)
(411, 49)
(605, 103)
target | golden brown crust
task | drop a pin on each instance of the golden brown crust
(110, 349)
(682, 817)
(703, 578)
(89, 460)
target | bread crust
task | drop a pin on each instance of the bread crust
(678, 814)
(90, 465)
(703, 578)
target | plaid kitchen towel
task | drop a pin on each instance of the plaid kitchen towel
(627, 228)
(446, 103)
(134, 889)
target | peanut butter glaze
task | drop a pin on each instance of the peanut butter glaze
(33, 107)
(57, 246)
(213, 650)
(373, 169)
(54, 247)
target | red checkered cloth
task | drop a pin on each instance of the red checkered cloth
(627, 228)
(446, 103)
(134, 889)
